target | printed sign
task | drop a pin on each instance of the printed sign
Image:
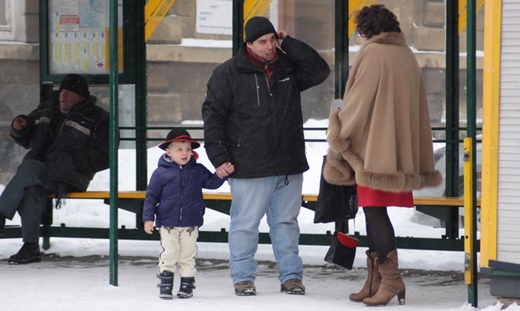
(79, 36)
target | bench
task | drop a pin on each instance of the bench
(132, 201)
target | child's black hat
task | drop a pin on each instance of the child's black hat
(179, 135)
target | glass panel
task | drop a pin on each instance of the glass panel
(313, 23)
(424, 26)
(190, 43)
(180, 60)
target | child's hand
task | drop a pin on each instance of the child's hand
(148, 226)
(225, 170)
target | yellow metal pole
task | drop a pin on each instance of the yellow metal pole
(469, 260)
(490, 133)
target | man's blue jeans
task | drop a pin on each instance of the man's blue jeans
(24, 194)
(278, 197)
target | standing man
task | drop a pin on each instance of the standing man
(253, 119)
(68, 141)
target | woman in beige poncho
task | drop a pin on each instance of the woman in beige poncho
(381, 140)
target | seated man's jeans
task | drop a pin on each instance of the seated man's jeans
(25, 194)
(278, 197)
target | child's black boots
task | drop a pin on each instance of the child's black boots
(187, 287)
(166, 284)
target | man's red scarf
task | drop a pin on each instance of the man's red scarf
(266, 66)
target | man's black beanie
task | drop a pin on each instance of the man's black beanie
(75, 83)
(258, 26)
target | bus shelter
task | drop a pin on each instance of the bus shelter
(119, 33)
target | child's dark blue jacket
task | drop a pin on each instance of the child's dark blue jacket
(174, 194)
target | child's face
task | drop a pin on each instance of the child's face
(179, 152)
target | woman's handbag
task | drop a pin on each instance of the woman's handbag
(342, 250)
(335, 203)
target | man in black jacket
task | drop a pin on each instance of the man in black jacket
(253, 119)
(68, 141)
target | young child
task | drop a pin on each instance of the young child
(174, 199)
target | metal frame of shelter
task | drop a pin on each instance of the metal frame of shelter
(134, 72)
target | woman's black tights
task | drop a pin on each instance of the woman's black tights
(380, 232)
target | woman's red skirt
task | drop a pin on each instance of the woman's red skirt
(373, 197)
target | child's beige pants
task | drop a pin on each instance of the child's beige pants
(179, 246)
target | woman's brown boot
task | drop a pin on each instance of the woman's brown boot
(373, 280)
(391, 283)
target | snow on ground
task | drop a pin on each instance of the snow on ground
(74, 273)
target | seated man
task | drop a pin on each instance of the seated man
(68, 141)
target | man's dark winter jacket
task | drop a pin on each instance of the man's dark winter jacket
(174, 194)
(74, 152)
(255, 125)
